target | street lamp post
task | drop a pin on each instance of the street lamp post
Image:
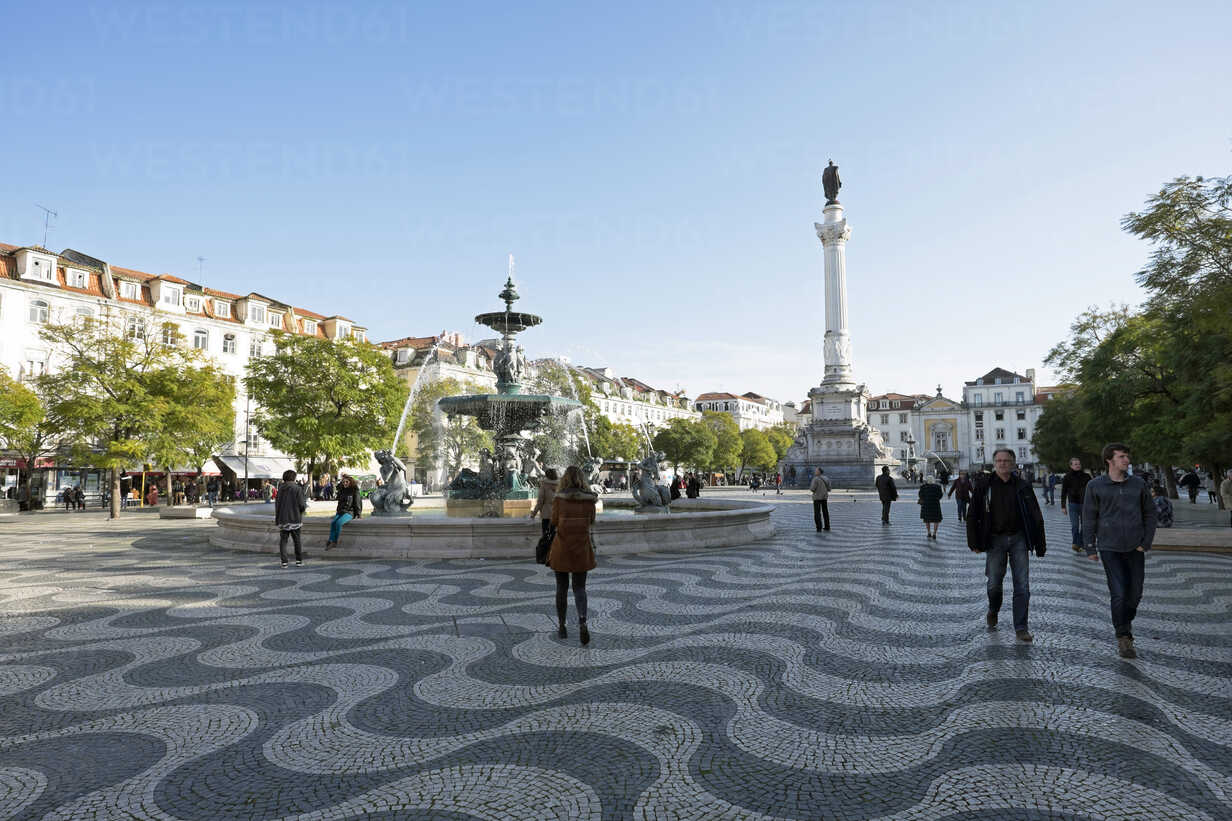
(247, 417)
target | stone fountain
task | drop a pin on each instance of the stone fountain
(504, 483)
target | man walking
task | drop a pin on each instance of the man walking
(1073, 489)
(820, 488)
(961, 491)
(1118, 519)
(887, 492)
(1004, 523)
(289, 516)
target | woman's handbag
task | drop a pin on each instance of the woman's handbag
(544, 546)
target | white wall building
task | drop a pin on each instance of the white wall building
(750, 410)
(38, 287)
(894, 415)
(1002, 411)
(629, 401)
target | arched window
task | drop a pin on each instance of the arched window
(168, 335)
(135, 328)
(201, 339)
(39, 311)
(228, 343)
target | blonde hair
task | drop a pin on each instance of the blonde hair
(572, 480)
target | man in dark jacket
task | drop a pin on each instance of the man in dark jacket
(1118, 519)
(887, 492)
(1004, 523)
(1073, 488)
(961, 491)
(289, 516)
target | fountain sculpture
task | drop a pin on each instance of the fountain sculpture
(504, 484)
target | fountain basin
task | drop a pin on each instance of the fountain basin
(496, 411)
(694, 524)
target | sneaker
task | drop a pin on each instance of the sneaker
(990, 619)
(284, 565)
(1125, 647)
(1077, 548)
(1024, 635)
(583, 633)
(330, 545)
(298, 563)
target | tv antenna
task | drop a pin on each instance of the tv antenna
(47, 215)
(200, 266)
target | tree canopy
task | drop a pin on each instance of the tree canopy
(728, 445)
(324, 400)
(453, 441)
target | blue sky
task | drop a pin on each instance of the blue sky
(654, 167)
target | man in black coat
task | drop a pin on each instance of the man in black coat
(887, 491)
(1004, 523)
(289, 516)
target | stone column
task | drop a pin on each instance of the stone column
(834, 233)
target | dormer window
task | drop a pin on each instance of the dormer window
(275, 320)
(77, 278)
(310, 327)
(257, 313)
(222, 310)
(40, 269)
(129, 290)
(192, 303)
(171, 296)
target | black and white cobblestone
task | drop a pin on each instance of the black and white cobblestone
(840, 675)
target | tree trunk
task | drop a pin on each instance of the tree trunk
(1170, 480)
(115, 493)
(170, 497)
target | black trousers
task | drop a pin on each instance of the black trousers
(282, 545)
(821, 508)
(562, 594)
(885, 511)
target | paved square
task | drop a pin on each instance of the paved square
(839, 675)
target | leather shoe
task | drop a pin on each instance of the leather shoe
(1024, 635)
(583, 633)
(1125, 647)
(991, 618)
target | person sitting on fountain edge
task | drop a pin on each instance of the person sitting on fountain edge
(349, 506)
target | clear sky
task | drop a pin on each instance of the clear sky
(654, 167)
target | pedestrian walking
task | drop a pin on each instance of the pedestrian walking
(211, 492)
(1211, 483)
(674, 488)
(1073, 489)
(1163, 507)
(961, 491)
(1118, 520)
(1191, 483)
(1004, 523)
(289, 516)
(267, 491)
(693, 488)
(930, 506)
(543, 502)
(820, 488)
(778, 484)
(1050, 488)
(572, 554)
(1225, 492)
(350, 504)
(887, 491)
(79, 497)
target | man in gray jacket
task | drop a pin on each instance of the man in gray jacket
(820, 488)
(1118, 521)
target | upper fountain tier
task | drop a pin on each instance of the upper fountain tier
(508, 322)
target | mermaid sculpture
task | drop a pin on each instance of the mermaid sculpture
(394, 495)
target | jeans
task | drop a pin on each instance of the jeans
(335, 526)
(579, 595)
(1075, 523)
(1125, 572)
(1049, 495)
(1011, 547)
(821, 508)
(962, 509)
(885, 511)
(282, 545)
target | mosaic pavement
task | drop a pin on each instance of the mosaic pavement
(839, 675)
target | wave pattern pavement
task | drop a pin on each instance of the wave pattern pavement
(839, 675)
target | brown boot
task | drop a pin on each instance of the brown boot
(1125, 647)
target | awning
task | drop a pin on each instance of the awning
(259, 467)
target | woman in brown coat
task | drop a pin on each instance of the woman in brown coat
(573, 512)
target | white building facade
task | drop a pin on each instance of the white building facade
(1002, 412)
(38, 287)
(749, 410)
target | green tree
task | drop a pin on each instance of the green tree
(111, 389)
(781, 438)
(454, 440)
(323, 400)
(1062, 432)
(627, 442)
(198, 417)
(728, 444)
(561, 440)
(25, 428)
(756, 451)
(686, 443)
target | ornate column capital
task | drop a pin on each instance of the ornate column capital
(831, 232)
